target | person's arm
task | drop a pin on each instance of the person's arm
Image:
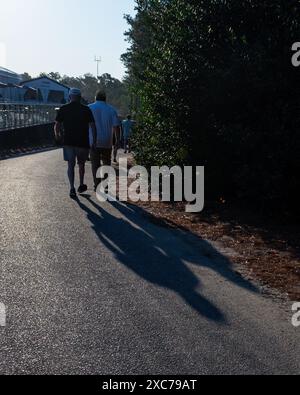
(58, 127)
(94, 133)
(92, 126)
(58, 130)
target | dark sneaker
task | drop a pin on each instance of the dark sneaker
(73, 194)
(82, 189)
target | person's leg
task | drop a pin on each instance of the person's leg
(106, 154)
(82, 156)
(81, 173)
(115, 153)
(106, 160)
(96, 163)
(71, 173)
(70, 157)
(83, 187)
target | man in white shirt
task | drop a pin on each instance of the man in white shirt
(108, 126)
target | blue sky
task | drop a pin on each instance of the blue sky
(63, 35)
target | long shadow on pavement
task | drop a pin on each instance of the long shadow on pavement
(150, 253)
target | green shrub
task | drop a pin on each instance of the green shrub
(214, 85)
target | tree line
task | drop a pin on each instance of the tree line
(214, 85)
(116, 90)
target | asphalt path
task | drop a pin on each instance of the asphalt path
(94, 288)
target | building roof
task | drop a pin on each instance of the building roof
(8, 76)
(5, 71)
(41, 78)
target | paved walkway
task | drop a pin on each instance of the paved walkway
(98, 289)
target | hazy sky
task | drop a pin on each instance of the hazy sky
(63, 35)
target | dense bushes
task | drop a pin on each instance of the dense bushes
(214, 86)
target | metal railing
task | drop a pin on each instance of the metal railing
(16, 115)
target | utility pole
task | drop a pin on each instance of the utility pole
(98, 60)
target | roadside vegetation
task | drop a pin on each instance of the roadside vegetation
(213, 85)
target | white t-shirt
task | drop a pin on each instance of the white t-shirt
(106, 118)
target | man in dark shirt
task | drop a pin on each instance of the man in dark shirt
(72, 125)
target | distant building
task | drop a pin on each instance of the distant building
(41, 90)
(48, 91)
(10, 85)
(9, 77)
